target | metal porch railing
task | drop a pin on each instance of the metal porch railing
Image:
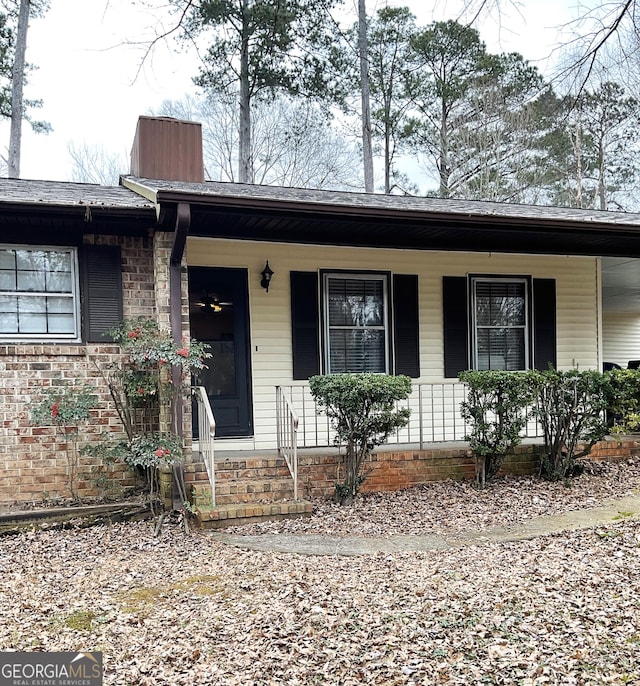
(435, 417)
(206, 434)
(287, 429)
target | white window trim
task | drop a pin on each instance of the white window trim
(75, 336)
(527, 323)
(362, 276)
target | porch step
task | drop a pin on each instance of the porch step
(248, 490)
(249, 480)
(250, 513)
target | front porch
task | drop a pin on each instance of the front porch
(252, 486)
(298, 458)
(235, 486)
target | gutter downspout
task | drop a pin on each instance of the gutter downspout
(183, 224)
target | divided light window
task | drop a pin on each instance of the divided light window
(38, 293)
(356, 333)
(500, 324)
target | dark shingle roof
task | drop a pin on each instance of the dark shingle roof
(67, 194)
(39, 211)
(347, 202)
(318, 217)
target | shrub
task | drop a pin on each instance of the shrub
(66, 407)
(623, 411)
(496, 409)
(363, 412)
(141, 385)
(141, 381)
(571, 410)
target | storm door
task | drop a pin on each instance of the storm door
(219, 315)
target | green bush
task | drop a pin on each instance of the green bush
(141, 386)
(496, 410)
(363, 412)
(571, 409)
(624, 400)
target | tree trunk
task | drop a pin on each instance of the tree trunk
(602, 195)
(365, 92)
(387, 146)
(245, 166)
(578, 149)
(17, 85)
(444, 153)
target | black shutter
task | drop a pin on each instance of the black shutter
(405, 325)
(304, 324)
(101, 270)
(456, 325)
(544, 323)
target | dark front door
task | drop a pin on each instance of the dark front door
(219, 314)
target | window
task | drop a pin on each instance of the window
(356, 334)
(500, 323)
(38, 293)
(395, 297)
(498, 329)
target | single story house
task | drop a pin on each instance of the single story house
(284, 283)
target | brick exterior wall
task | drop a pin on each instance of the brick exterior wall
(395, 470)
(266, 479)
(32, 458)
(399, 469)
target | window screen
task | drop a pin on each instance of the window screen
(355, 314)
(500, 324)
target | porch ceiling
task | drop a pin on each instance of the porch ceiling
(470, 233)
(621, 284)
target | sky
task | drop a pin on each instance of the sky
(88, 55)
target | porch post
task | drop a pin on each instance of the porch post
(183, 222)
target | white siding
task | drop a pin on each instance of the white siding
(270, 313)
(621, 337)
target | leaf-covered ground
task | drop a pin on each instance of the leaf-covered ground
(450, 507)
(561, 609)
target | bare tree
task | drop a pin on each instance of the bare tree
(605, 35)
(293, 142)
(95, 164)
(365, 97)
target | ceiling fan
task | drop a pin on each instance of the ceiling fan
(209, 303)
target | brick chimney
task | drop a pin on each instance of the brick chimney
(169, 149)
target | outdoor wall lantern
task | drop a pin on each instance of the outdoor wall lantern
(267, 274)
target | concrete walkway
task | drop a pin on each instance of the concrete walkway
(313, 544)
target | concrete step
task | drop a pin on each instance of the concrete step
(235, 514)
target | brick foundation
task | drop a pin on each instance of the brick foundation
(267, 479)
(396, 470)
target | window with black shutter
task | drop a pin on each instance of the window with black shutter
(39, 295)
(495, 322)
(354, 323)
